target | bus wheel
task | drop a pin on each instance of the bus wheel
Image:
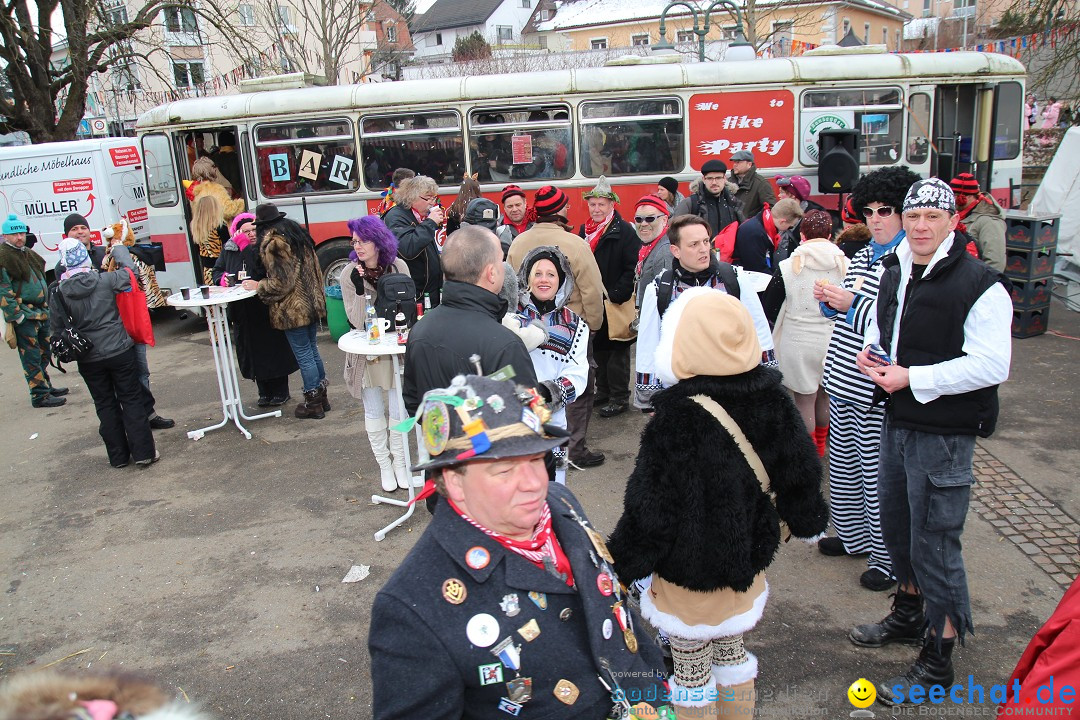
(333, 256)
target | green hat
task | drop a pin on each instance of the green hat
(602, 190)
(14, 225)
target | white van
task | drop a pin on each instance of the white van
(100, 179)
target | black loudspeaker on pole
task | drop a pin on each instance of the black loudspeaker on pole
(838, 164)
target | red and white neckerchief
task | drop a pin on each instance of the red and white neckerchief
(646, 249)
(595, 230)
(543, 544)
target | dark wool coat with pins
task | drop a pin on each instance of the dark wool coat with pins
(293, 286)
(694, 512)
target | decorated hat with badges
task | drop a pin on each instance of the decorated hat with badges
(482, 418)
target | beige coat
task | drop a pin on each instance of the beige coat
(359, 372)
(587, 298)
(801, 334)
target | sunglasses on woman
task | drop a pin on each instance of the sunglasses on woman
(646, 219)
(883, 211)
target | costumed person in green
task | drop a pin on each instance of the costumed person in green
(24, 299)
(724, 460)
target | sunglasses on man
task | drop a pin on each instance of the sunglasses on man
(642, 219)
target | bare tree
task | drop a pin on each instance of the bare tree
(1052, 54)
(318, 36)
(50, 67)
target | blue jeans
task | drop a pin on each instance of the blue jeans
(303, 342)
(924, 484)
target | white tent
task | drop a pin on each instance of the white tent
(1059, 194)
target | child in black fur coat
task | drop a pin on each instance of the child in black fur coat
(723, 462)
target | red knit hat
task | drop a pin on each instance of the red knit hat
(848, 214)
(965, 184)
(653, 201)
(510, 191)
(549, 200)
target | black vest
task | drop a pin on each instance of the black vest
(932, 331)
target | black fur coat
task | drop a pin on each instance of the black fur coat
(694, 512)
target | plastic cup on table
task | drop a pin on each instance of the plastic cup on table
(185, 293)
(205, 290)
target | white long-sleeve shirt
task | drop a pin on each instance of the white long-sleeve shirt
(646, 382)
(987, 338)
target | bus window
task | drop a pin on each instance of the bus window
(918, 129)
(522, 143)
(876, 112)
(632, 137)
(161, 186)
(428, 143)
(305, 157)
(1010, 101)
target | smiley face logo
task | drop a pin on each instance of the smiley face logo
(862, 694)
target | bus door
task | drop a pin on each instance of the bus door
(165, 211)
(222, 146)
(954, 130)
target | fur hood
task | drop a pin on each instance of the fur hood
(565, 288)
(56, 695)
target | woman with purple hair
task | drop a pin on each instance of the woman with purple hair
(370, 379)
(263, 353)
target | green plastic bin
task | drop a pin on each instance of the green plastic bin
(336, 319)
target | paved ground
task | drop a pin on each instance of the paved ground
(218, 570)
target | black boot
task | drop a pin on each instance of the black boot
(932, 667)
(904, 624)
(323, 401)
(312, 406)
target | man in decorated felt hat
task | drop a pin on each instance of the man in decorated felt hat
(508, 603)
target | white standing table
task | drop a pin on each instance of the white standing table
(224, 354)
(356, 342)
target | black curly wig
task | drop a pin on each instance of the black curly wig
(887, 185)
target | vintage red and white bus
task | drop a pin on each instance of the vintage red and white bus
(325, 154)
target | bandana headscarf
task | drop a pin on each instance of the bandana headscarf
(76, 259)
(932, 193)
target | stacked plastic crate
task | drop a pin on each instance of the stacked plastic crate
(1030, 252)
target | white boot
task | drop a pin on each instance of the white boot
(376, 433)
(401, 471)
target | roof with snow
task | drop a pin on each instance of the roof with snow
(572, 14)
(920, 27)
(446, 14)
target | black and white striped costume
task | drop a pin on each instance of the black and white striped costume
(854, 425)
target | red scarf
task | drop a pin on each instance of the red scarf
(770, 226)
(646, 249)
(595, 230)
(530, 216)
(981, 197)
(543, 543)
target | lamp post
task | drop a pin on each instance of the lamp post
(738, 49)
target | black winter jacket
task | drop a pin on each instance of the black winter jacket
(417, 247)
(754, 248)
(466, 323)
(717, 210)
(693, 511)
(616, 255)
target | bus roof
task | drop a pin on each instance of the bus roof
(790, 71)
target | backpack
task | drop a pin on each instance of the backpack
(394, 287)
(665, 285)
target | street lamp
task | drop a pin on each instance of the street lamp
(738, 49)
